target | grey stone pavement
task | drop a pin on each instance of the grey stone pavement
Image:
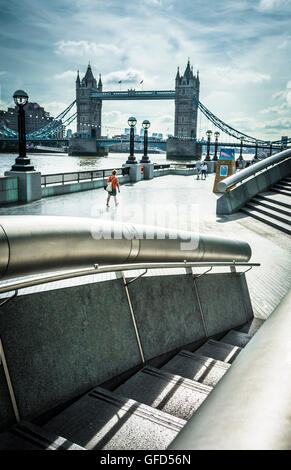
(183, 202)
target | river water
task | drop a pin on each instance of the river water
(62, 163)
(48, 163)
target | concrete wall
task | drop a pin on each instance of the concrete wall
(233, 200)
(8, 189)
(60, 343)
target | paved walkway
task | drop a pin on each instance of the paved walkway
(183, 202)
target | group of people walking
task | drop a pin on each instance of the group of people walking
(201, 169)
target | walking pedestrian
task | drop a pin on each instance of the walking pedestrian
(204, 169)
(114, 186)
(198, 169)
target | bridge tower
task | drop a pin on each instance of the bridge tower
(88, 110)
(187, 88)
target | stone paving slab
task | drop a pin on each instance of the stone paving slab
(195, 367)
(236, 338)
(173, 394)
(103, 420)
(219, 350)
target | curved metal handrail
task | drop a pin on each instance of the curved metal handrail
(23, 283)
(252, 170)
(41, 244)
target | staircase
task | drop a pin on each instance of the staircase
(146, 412)
(273, 207)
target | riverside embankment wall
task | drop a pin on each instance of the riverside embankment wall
(60, 343)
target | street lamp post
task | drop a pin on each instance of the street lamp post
(241, 148)
(145, 159)
(209, 134)
(217, 134)
(256, 151)
(132, 123)
(22, 162)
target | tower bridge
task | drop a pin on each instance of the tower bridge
(89, 98)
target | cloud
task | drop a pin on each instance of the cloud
(85, 49)
(153, 2)
(268, 5)
(54, 107)
(130, 77)
(232, 75)
(68, 75)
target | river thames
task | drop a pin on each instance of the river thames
(48, 163)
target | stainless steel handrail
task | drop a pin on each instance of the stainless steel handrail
(62, 275)
(41, 244)
(252, 170)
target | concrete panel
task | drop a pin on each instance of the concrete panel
(59, 344)
(224, 300)
(263, 181)
(8, 189)
(167, 313)
(29, 184)
(251, 187)
(7, 417)
(77, 187)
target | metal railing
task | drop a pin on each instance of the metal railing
(253, 169)
(16, 284)
(77, 176)
(174, 166)
(92, 175)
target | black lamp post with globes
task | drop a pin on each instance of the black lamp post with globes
(22, 162)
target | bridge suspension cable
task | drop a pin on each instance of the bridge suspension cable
(227, 128)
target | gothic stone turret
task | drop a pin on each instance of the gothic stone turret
(88, 110)
(187, 88)
(183, 145)
(88, 117)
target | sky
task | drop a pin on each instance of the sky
(242, 49)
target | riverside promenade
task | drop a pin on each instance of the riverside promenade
(184, 203)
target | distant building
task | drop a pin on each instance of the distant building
(35, 118)
(157, 136)
(127, 131)
(69, 133)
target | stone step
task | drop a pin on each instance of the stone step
(285, 182)
(286, 219)
(219, 351)
(284, 186)
(195, 367)
(104, 420)
(276, 198)
(280, 191)
(267, 220)
(236, 338)
(252, 326)
(273, 205)
(170, 393)
(28, 436)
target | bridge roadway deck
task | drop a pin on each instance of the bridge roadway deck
(182, 202)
